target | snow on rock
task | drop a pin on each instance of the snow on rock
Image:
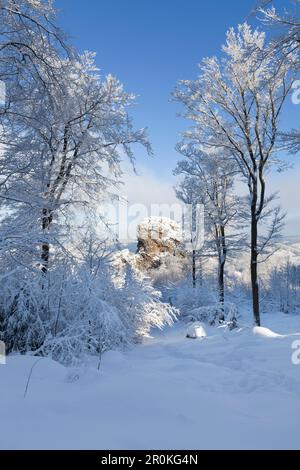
(265, 332)
(196, 330)
(158, 237)
(159, 253)
(162, 229)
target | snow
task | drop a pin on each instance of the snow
(160, 228)
(233, 390)
(265, 332)
(196, 330)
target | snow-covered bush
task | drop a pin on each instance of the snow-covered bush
(23, 312)
(200, 303)
(215, 313)
(74, 311)
(185, 297)
(142, 305)
(171, 270)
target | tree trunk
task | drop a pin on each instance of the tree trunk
(46, 222)
(253, 267)
(200, 270)
(221, 283)
(45, 257)
(194, 268)
(222, 261)
(221, 290)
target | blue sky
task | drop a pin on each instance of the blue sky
(149, 45)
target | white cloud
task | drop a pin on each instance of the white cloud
(146, 189)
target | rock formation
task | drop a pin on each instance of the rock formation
(158, 238)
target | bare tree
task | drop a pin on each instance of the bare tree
(208, 180)
(188, 193)
(235, 105)
(285, 28)
(285, 24)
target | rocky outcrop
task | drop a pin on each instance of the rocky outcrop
(160, 254)
(158, 238)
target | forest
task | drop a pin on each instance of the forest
(210, 299)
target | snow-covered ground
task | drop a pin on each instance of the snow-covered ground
(228, 390)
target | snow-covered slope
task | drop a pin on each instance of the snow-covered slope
(231, 390)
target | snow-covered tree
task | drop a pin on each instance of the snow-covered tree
(188, 193)
(30, 46)
(64, 132)
(71, 149)
(30, 41)
(285, 24)
(236, 104)
(283, 289)
(30, 49)
(285, 28)
(208, 180)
